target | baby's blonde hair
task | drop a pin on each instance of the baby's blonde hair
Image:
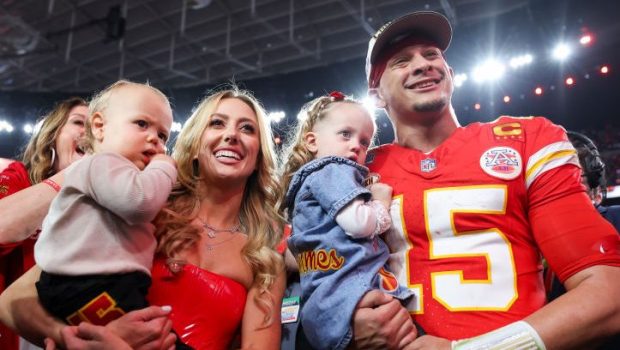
(100, 101)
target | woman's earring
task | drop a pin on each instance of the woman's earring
(195, 167)
(53, 156)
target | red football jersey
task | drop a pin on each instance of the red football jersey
(461, 238)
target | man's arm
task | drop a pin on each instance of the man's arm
(583, 250)
(590, 309)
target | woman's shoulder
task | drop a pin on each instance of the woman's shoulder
(13, 178)
(4, 163)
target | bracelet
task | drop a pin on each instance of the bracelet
(52, 184)
(515, 336)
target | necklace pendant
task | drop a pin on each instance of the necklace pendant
(210, 232)
(209, 248)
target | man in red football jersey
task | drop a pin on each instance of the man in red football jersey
(474, 209)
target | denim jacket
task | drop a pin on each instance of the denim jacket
(336, 270)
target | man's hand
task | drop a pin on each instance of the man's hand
(381, 322)
(90, 337)
(382, 193)
(146, 329)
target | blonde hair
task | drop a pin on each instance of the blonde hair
(295, 153)
(37, 156)
(257, 215)
(100, 101)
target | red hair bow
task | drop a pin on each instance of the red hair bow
(337, 95)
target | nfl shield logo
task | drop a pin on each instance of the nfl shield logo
(427, 165)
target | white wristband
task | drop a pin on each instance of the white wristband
(515, 336)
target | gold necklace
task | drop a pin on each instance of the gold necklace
(213, 231)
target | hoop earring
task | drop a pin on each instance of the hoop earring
(53, 156)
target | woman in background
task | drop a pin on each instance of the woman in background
(50, 150)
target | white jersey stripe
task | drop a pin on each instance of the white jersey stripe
(550, 157)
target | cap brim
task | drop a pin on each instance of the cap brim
(431, 25)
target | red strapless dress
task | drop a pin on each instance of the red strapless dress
(207, 308)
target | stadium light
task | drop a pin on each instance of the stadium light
(522, 60)
(490, 70)
(585, 40)
(561, 51)
(6, 126)
(28, 128)
(176, 127)
(369, 104)
(276, 116)
(459, 79)
(302, 115)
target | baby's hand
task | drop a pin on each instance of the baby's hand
(382, 193)
(165, 158)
